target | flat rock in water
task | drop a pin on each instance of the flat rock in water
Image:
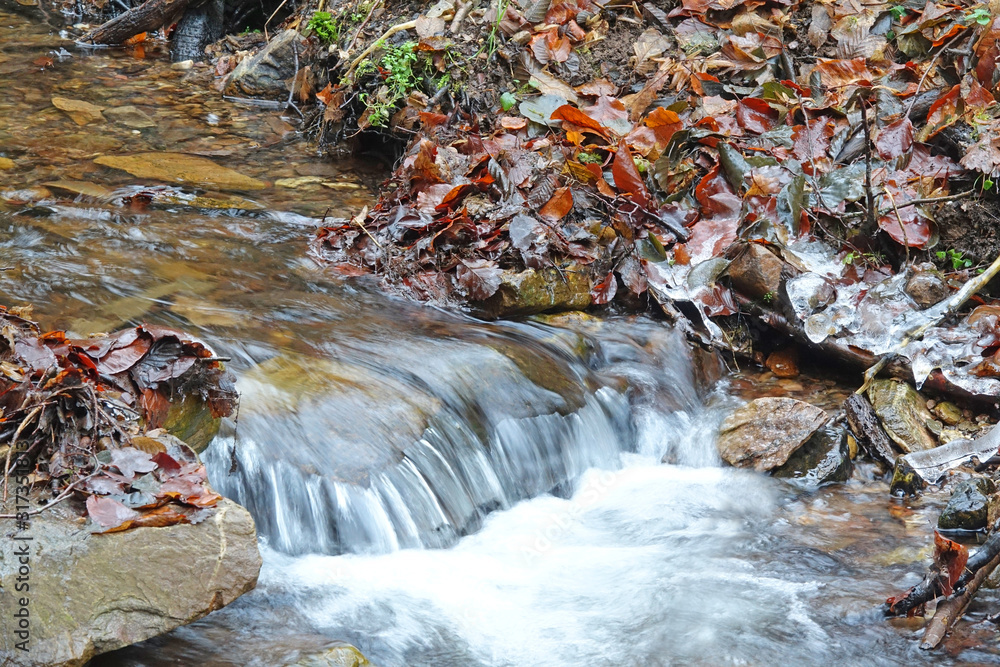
(904, 414)
(339, 655)
(81, 112)
(765, 432)
(538, 291)
(95, 593)
(181, 168)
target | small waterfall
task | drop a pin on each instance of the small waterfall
(316, 482)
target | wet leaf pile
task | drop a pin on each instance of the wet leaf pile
(84, 417)
(775, 158)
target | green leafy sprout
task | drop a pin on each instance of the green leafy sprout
(397, 64)
(957, 259)
(590, 158)
(980, 15)
(327, 29)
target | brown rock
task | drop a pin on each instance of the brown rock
(784, 363)
(927, 287)
(756, 272)
(904, 414)
(766, 431)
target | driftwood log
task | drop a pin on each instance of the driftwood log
(150, 15)
(868, 430)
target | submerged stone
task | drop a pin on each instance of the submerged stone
(968, 508)
(765, 432)
(904, 414)
(339, 655)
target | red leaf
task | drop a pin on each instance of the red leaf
(895, 139)
(950, 558)
(121, 359)
(578, 118)
(109, 513)
(944, 111)
(811, 142)
(605, 290)
(755, 115)
(906, 226)
(560, 204)
(130, 460)
(166, 462)
(627, 177)
(839, 73)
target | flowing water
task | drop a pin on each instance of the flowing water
(433, 489)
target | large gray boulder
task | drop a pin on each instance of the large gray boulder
(90, 594)
(266, 75)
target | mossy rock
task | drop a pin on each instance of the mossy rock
(904, 414)
(538, 291)
(191, 420)
(339, 655)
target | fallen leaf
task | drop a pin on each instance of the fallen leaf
(109, 513)
(895, 139)
(950, 558)
(627, 177)
(604, 291)
(560, 204)
(480, 278)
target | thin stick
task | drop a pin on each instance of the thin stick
(949, 611)
(361, 27)
(400, 27)
(58, 499)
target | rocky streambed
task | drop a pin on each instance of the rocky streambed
(430, 488)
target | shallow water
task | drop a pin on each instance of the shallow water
(434, 489)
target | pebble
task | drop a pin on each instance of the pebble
(183, 65)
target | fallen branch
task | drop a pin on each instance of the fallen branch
(934, 315)
(399, 27)
(929, 588)
(148, 16)
(952, 609)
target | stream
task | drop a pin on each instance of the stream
(433, 489)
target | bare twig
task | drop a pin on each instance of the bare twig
(952, 609)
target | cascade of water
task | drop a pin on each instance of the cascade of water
(473, 456)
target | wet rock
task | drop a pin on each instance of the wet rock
(904, 414)
(129, 116)
(181, 168)
(906, 481)
(191, 420)
(968, 508)
(756, 272)
(537, 291)
(340, 655)
(947, 412)
(927, 287)
(784, 363)
(95, 593)
(765, 432)
(265, 74)
(823, 459)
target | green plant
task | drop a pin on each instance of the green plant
(396, 64)
(957, 259)
(768, 298)
(641, 163)
(898, 12)
(873, 258)
(590, 158)
(325, 27)
(980, 15)
(507, 101)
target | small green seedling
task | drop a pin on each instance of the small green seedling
(507, 101)
(980, 15)
(325, 27)
(957, 259)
